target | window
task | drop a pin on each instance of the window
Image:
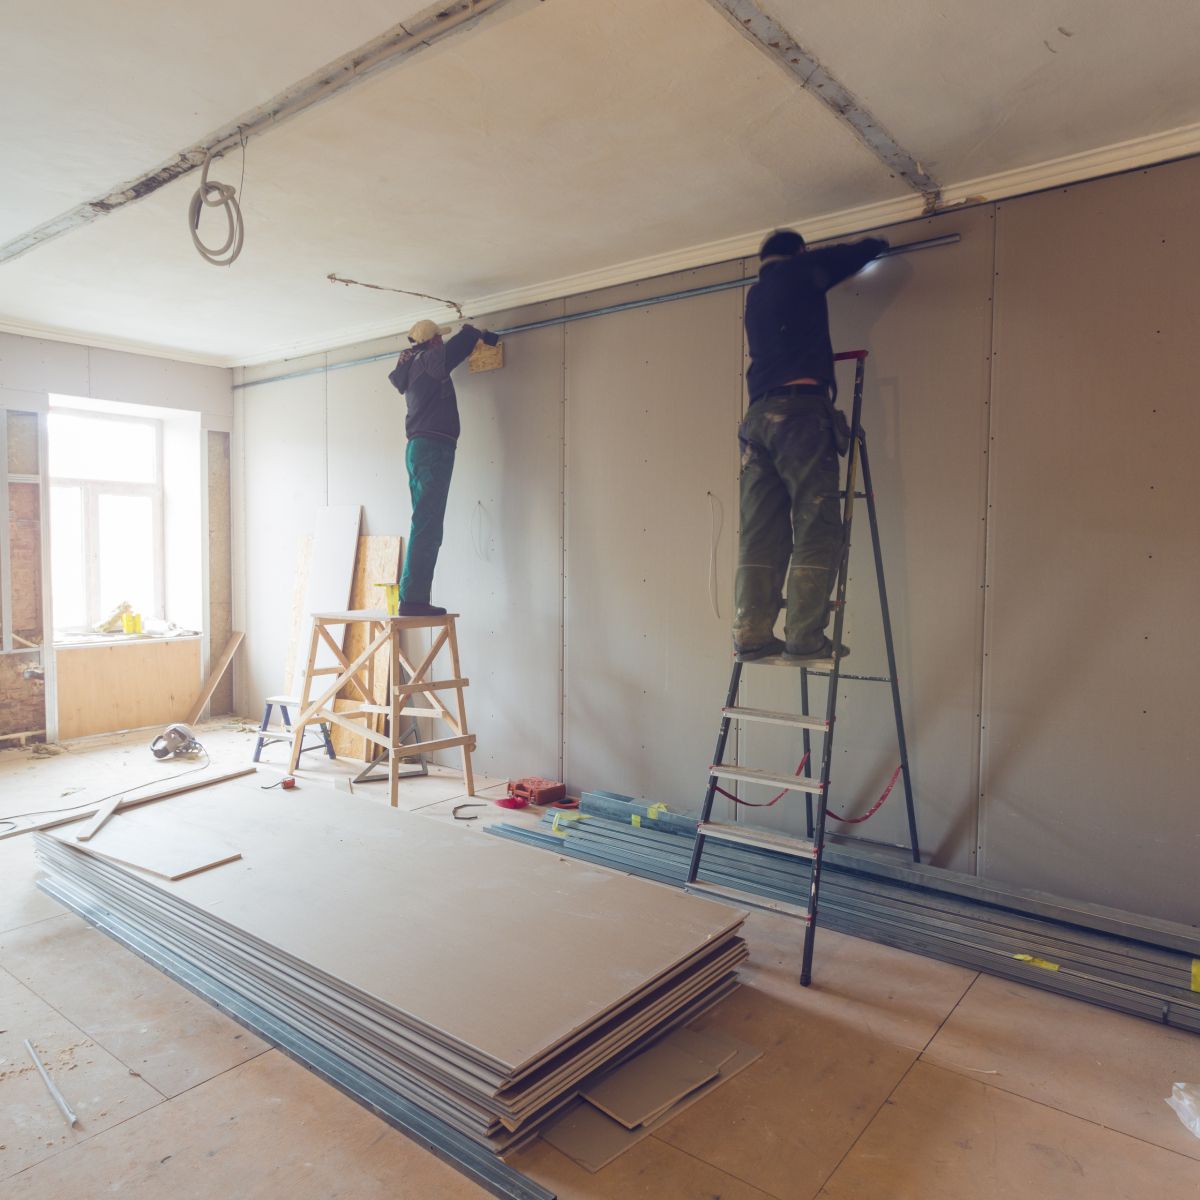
(106, 516)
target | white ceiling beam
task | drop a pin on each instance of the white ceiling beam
(396, 45)
(778, 44)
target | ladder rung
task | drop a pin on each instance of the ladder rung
(775, 718)
(718, 891)
(788, 660)
(793, 783)
(782, 843)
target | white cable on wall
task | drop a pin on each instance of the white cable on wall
(718, 519)
(222, 196)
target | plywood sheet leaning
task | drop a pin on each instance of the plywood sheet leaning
(329, 578)
(377, 563)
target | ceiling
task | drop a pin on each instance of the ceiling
(555, 145)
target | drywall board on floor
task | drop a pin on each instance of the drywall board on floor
(653, 403)
(283, 484)
(448, 971)
(109, 686)
(501, 561)
(926, 320)
(158, 842)
(1093, 564)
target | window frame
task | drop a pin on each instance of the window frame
(90, 492)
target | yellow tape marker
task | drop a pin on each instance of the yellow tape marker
(1037, 962)
(654, 809)
(1196, 974)
(636, 820)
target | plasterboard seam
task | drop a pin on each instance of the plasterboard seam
(981, 757)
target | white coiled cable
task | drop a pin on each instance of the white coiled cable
(223, 196)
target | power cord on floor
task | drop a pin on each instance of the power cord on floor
(13, 818)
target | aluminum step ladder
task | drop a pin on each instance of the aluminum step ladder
(814, 789)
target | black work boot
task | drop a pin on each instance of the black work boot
(819, 648)
(412, 608)
(750, 653)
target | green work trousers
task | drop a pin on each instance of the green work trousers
(430, 463)
(789, 513)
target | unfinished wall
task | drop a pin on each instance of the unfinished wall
(22, 682)
(220, 565)
(192, 400)
(1093, 560)
(1019, 588)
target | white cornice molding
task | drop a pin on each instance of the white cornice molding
(90, 340)
(1074, 168)
(1152, 150)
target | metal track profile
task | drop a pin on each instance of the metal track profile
(1118, 960)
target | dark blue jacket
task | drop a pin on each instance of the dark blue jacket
(787, 319)
(422, 376)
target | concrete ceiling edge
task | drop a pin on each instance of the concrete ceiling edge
(1153, 149)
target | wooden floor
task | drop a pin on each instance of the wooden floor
(892, 1077)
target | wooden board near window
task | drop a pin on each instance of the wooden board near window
(125, 685)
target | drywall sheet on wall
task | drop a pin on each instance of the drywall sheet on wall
(926, 321)
(220, 560)
(330, 575)
(501, 564)
(125, 685)
(282, 486)
(1094, 565)
(653, 403)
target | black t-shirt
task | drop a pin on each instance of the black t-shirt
(787, 319)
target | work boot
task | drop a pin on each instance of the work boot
(820, 648)
(411, 608)
(749, 654)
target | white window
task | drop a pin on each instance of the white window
(106, 516)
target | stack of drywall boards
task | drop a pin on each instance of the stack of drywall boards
(425, 969)
(1134, 964)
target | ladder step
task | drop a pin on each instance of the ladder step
(787, 660)
(782, 843)
(793, 783)
(775, 718)
(718, 891)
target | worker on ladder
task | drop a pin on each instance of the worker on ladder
(422, 376)
(790, 440)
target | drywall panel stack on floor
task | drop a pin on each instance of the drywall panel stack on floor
(405, 948)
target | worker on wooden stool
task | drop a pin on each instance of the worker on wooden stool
(422, 376)
(790, 440)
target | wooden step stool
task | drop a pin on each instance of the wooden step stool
(359, 677)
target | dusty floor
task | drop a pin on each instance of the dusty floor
(892, 1077)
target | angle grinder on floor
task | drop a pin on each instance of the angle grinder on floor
(176, 741)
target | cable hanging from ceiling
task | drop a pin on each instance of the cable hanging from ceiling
(224, 196)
